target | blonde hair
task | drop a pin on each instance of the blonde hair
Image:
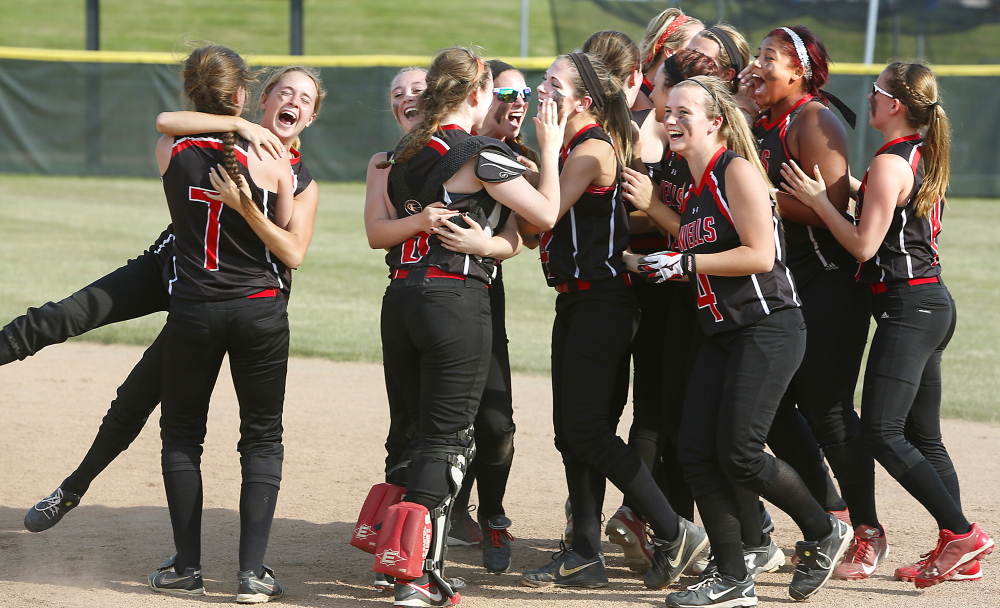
(734, 130)
(615, 117)
(915, 86)
(454, 74)
(213, 75)
(651, 46)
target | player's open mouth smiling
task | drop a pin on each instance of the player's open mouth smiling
(410, 112)
(287, 118)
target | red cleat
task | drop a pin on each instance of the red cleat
(952, 552)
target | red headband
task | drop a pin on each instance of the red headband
(675, 25)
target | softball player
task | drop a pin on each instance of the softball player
(894, 236)
(596, 315)
(436, 326)
(290, 102)
(495, 419)
(730, 248)
(665, 34)
(225, 289)
(786, 77)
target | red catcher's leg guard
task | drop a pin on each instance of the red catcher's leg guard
(373, 512)
(404, 541)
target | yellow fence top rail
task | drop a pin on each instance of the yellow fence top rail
(363, 61)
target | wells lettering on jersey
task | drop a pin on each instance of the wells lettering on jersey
(695, 233)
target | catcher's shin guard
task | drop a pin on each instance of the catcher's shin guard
(404, 541)
(373, 514)
(458, 457)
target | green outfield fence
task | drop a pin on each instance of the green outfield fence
(93, 113)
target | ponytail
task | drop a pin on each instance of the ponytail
(454, 74)
(915, 86)
(610, 107)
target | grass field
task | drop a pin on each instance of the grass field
(415, 27)
(58, 234)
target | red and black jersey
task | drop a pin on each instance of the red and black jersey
(216, 254)
(728, 303)
(909, 249)
(810, 249)
(424, 250)
(654, 241)
(646, 87)
(588, 241)
(673, 178)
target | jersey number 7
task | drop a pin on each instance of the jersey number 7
(212, 227)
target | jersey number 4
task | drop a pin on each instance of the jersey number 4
(212, 228)
(706, 297)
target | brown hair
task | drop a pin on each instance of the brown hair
(915, 86)
(651, 39)
(614, 117)
(213, 75)
(742, 47)
(454, 74)
(312, 73)
(735, 130)
(689, 63)
(619, 54)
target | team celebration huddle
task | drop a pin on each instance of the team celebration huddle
(690, 199)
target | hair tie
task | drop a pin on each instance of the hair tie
(590, 79)
(800, 50)
(707, 90)
(671, 70)
(936, 103)
(735, 57)
(480, 68)
(675, 25)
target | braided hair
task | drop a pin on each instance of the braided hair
(915, 86)
(213, 76)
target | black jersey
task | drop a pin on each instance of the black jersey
(653, 241)
(646, 87)
(588, 241)
(673, 178)
(727, 303)
(424, 250)
(810, 249)
(909, 249)
(217, 256)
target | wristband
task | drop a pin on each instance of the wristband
(688, 265)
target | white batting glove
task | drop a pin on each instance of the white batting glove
(665, 265)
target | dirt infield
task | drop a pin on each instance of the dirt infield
(335, 419)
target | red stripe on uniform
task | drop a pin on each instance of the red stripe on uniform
(212, 144)
(592, 189)
(439, 146)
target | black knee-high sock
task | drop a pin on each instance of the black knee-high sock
(749, 506)
(104, 450)
(720, 514)
(643, 492)
(184, 501)
(788, 493)
(924, 484)
(855, 471)
(586, 495)
(951, 482)
(257, 502)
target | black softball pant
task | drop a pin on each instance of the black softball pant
(901, 398)
(131, 291)
(436, 340)
(494, 421)
(837, 312)
(738, 380)
(668, 328)
(254, 333)
(591, 336)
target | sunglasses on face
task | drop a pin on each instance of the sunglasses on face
(877, 89)
(508, 95)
